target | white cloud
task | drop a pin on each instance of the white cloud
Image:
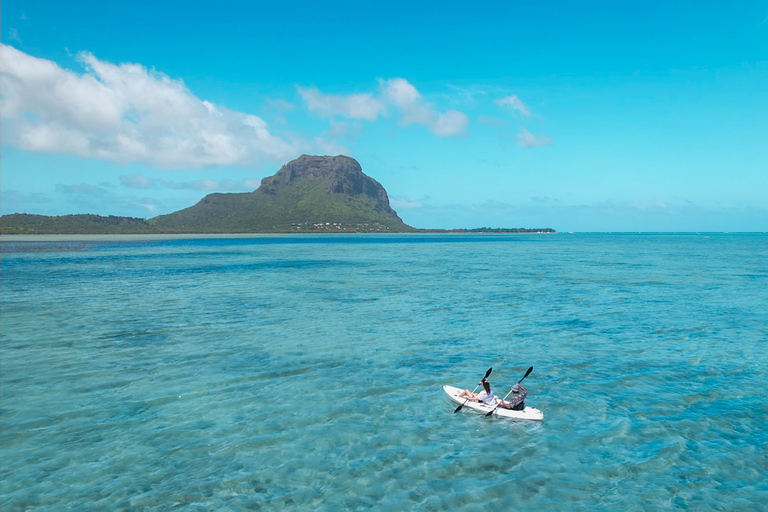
(514, 103)
(355, 106)
(126, 113)
(449, 124)
(396, 93)
(400, 92)
(414, 110)
(526, 139)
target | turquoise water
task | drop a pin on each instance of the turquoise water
(305, 373)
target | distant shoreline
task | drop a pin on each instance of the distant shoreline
(87, 237)
(138, 237)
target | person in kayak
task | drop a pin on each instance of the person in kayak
(486, 395)
(518, 398)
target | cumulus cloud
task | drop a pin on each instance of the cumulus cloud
(396, 93)
(401, 93)
(414, 110)
(514, 103)
(526, 139)
(449, 124)
(355, 106)
(126, 113)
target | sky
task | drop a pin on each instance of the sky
(578, 116)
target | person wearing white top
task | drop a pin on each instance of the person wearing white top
(486, 395)
(488, 398)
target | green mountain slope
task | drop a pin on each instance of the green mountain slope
(308, 194)
(311, 193)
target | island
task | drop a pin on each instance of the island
(311, 194)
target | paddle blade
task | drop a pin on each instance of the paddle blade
(458, 408)
(488, 372)
(526, 374)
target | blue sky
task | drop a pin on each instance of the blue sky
(588, 116)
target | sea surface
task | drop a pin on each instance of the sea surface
(305, 372)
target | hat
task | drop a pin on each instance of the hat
(515, 388)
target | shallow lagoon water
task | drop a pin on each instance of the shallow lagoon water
(305, 372)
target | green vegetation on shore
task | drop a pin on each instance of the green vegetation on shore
(84, 224)
(312, 194)
(88, 224)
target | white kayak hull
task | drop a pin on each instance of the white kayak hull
(529, 413)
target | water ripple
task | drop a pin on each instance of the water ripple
(295, 373)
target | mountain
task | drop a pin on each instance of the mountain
(307, 194)
(311, 193)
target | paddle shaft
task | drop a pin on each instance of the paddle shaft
(467, 400)
(510, 391)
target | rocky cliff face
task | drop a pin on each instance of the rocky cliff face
(343, 174)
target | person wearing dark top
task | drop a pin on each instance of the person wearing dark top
(517, 403)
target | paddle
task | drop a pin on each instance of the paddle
(467, 400)
(510, 392)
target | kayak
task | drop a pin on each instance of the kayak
(529, 413)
